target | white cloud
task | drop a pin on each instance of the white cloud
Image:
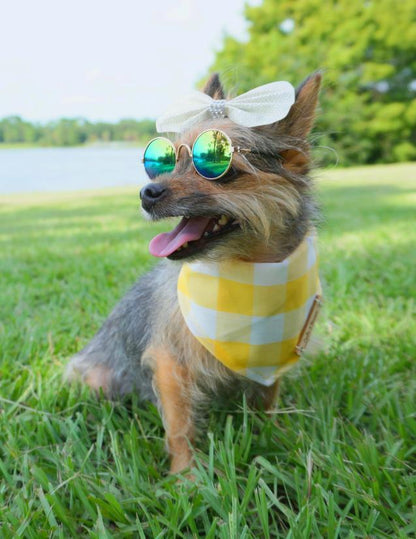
(93, 75)
(78, 100)
(182, 12)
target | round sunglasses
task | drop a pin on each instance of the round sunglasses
(211, 155)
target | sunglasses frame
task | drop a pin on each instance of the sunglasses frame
(233, 149)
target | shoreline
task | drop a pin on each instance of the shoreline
(110, 144)
(376, 175)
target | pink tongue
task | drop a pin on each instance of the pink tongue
(187, 230)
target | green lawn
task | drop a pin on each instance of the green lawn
(337, 460)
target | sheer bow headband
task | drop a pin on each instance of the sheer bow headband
(261, 106)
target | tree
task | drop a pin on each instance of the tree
(367, 51)
(74, 131)
(14, 129)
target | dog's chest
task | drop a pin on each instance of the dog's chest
(170, 330)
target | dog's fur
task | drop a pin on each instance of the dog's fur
(144, 345)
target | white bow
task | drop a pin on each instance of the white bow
(261, 106)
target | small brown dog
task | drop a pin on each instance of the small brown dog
(257, 213)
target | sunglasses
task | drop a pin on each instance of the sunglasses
(211, 155)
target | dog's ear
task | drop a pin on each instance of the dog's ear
(213, 87)
(299, 122)
(297, 125)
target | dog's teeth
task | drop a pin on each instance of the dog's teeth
(216, 228)
(223, 220)
(185, 245)
(206, 234)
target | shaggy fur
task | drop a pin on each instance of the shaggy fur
(144, 345)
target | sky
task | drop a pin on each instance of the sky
(108, 60)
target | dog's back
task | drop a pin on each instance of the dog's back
(112, 360)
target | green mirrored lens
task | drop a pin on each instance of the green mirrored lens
(211, 154)
(159, 157)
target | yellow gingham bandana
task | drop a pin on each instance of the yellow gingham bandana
(253, 317)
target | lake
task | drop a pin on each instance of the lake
(68, 169)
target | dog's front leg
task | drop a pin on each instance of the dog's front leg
(270, 396)
(173, 383)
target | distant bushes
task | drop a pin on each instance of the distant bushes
(73, 131)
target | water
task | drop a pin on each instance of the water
(69, 169)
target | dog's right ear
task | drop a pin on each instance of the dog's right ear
(301, 117)
(214, 88)
(298, 124)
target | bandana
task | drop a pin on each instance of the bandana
(255, 318)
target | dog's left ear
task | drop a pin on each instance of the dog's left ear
(213, 87)
(301, 117)
(298, 124)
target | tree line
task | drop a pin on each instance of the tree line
(74, 131)
(367, 52)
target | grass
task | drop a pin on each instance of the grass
(337, 460)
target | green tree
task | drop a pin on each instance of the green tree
(14, 129)
(74, 131)
(367, 51)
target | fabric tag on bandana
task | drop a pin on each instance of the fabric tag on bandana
(253, 316)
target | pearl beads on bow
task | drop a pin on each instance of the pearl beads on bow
(217, 108)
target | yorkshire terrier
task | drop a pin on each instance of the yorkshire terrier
(203, 323)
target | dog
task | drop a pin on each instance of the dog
(258, 214)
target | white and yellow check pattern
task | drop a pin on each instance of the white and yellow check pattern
(250, 315)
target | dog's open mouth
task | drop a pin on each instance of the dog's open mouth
(191, 235)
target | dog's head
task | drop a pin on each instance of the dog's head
(260, 209)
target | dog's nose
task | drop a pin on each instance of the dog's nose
(151, 193)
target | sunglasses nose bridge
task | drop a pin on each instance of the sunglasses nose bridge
(188, 149)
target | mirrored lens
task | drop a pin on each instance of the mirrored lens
(211, 154)
(159, 157)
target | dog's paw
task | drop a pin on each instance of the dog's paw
(97, 377)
